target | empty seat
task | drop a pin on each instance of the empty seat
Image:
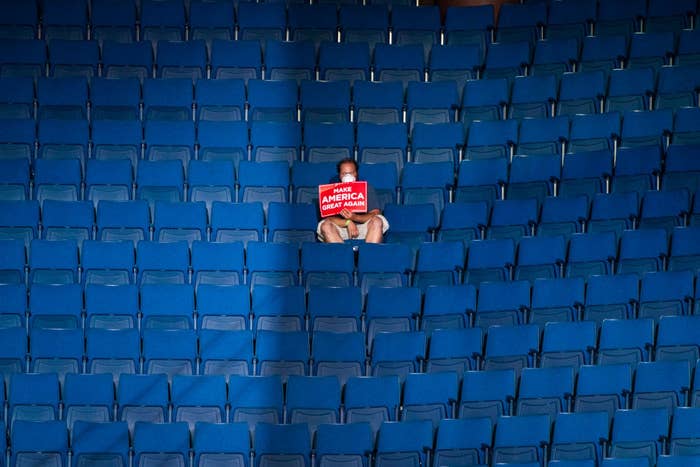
(403, 63)
(175, 222)
(675, 339)
(511, 347)
(167, 99)
(114, 351)
(241, 59)
(545, 391)
(162, 20)
(199, 399)
(521, 438)
(340, 355)
(98, 442)
(226, 352)
(127, 60)
(88, 398)
(289, 60)
(540, 257)
(119, 221)
(512, 219)
(162, 263)
(53, 262)
(581, 93)
(556, 300)
(161, 443)
(33, 397)
(491, 138)
(404, 443)
(642, 251)
(167, 306)
(282, 444)
(160, 357)
(398, 353)
(313, 400)
(625, 341)
(113, 21)
(489, 260)
(481, 180)
(568, 344)
(325, 102)
(170, 141)
(661, 385)
(39, 442)
(216, 442)
(578, 436)
(232, 222)
(456, 350)
(142, 398)
(430, 397)
(378, 102)
(57, 179)
(73, 58)
(114, 100)
(256, 399)
(68, 220)
(629, 439)
(282, 353)
(399, 317)
(603, 388)
(161, 180)
(110, 180)
(487, 394)
(384, 265)
(502, 303)
(217, 263)
(176, 59)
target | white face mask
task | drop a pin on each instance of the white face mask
(348, 178)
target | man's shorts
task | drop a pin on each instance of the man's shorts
(361, 228)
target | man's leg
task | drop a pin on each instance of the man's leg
(330, 232)
(374, 230)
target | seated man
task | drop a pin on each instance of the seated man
(369, 226)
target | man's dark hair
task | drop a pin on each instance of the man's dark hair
(346, 161)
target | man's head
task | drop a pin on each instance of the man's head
(347, 170)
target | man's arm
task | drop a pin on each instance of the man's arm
(358, 217)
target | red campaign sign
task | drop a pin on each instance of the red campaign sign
(335, 197)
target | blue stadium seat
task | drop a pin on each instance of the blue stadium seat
(683, 433)
(661, 385)
(220, 99)
(463, 439)
(63, 139)
(223, 307)
(456, 350)
(674, 339)
(167, 306)
(489, 260)
(683, 249)
(142, 398)
(118, 221)
(110, 306)
(113, 21)
(586, 173)
(65, 19)
(680, 170)
(349, 444)
(556, 55)
(168, 99)
(687, 48)
(107, 263)
(521, 23)
(647, 128)
(274, 264)
(491, 138)
(431, 103)
(455, 62)
(282, 353)
(507, 59)
(513, 219)
(545, 391)
(603, 388)
(404, 443)
(265, 183)
(275, 141)
(13, 312)
(613, 212)
(68, 220)
(257, 22)
(675, 87)
(578, 436)
(603, 52)
(403, 63)
(160, 180)
(372, 399)
(162, 263)
(294, 61)
(581, 93)
(416, 26)
(232, 222)
(20, 20)
(533, 97)
(348, 61)
(556, 299)
(57, 179)
(437, 142)
(121, 138)
(327, 265)
(39, 442)
(313, 400)
(463, 221)
(18, 138)
(175, 59)
(32, 397)
(114, 351)
(594, 132)
(88, 398)
(629, 439)
(398, 353)
(241, 59)
(53, 262)
(653, 49)
(381, 318)
(384, 178)
(662, 17)
(427, 183)
(378, 102)
(481, 180)
(73, 58)
(225, 352)
(55, 306)
(630, 89)
(127, 60)
(521, 438)
(448, 307)
(100, 442)
(13, 351)
(543, 136)
(227, 141)
(439, 264)
(256, 399)
(325, 102)
(216, 442)
(317, 23)
(175, 222)
(217, 263)
(568, 344)
(14, 262)
(22, 57)
(278, 308)
(383, 265)
(339, 355)
(161, 443)
(642, 251)
(110, 180)
(283, 445)
(503, 303)
(611, 297)
(273, 100)
(162, 20)
(637, 169)
(540, 257)
(210, 181)
(666, 293)
(487, 394)
(511, 347)
(211, 21)
(484, 100)
(159, 356)
(199, 399)
(625, 341)
(430, 396)
(19, 220)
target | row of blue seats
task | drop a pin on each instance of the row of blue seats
(547, 391)
(227, 351)
(389, 265)
(313, 102)
(248, 58)
(175, 20)
(412, 443)
(266, 141)
(665, 293)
